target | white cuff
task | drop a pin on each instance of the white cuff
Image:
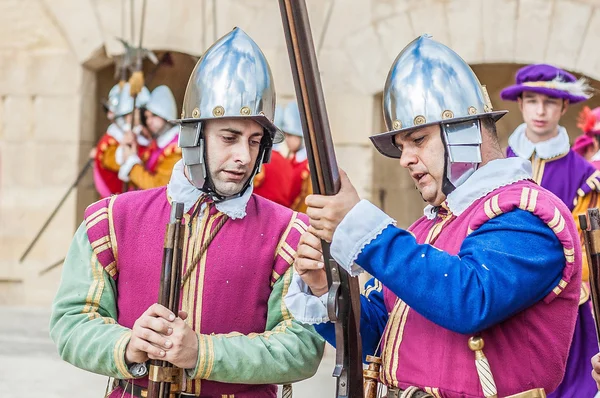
(119, 155)
(359, 227)
(126, 167)
(305, 307)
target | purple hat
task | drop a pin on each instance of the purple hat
(548, 80)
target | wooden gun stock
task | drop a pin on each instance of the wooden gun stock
(343, 305)
(163, 376)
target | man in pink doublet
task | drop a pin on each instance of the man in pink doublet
(479, 297)
(233, 335)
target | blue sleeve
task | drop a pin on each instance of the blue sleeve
(505, 266)
(373, 318)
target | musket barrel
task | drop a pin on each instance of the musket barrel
(343, 299)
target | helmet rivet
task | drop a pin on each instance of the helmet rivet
(472, 110)
(245, 111)
(419, 120)
(218, 111)
(397, 125)
(196, 113)
(447, 114)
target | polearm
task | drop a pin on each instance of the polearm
(162, 374)
(81, 174)
(591, 235)
(343, 301)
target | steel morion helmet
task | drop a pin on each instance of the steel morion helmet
(430, 84)
(126, 102)
(290, 120)
(162, 103)
(231, 80)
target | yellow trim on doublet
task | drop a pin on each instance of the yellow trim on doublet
(532, 200)
(287, 279)
(202, 352)
(554, 222)
(433, 391)
(392, 332)
(491, 207)
(396, 352)
(96, 221)
(99, 242)
(287, 258)
(112, 269)
(95, 214)
(211, 358)
(528, 199)
(111, 228)
(119, 355)
(301, 223)
(538, 166)
(97, 284)
(285, 233)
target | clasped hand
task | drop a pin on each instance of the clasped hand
(159, 334)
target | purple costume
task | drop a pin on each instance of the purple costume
(570, 177)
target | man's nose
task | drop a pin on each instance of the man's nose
(242, 153)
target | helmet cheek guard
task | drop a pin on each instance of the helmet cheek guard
(462, 154)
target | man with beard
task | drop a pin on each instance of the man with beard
(153, 169)
(234, 335)
(544, 93)
(495, 259)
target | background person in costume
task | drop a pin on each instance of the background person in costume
(495, 255)
(588, 143)
(234, 334)
(154, 167)
(273, 181)
(301, 185)
(544, 93)
(106, 166)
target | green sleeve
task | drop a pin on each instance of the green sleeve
(83, 321)
(286, 352)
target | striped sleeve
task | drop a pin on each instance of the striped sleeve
(84, 312)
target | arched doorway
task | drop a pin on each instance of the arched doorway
(174, 73)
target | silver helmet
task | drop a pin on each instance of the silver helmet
(430, 84)
(289, 121)
(231, 80)
(162, 103)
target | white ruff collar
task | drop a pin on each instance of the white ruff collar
(555, 146)
(180, 189)
(493, 175)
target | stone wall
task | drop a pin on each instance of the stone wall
(54, 55)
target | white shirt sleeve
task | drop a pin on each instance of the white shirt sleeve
(305, 307)
(359, 227)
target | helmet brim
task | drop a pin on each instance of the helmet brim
(384, 142)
